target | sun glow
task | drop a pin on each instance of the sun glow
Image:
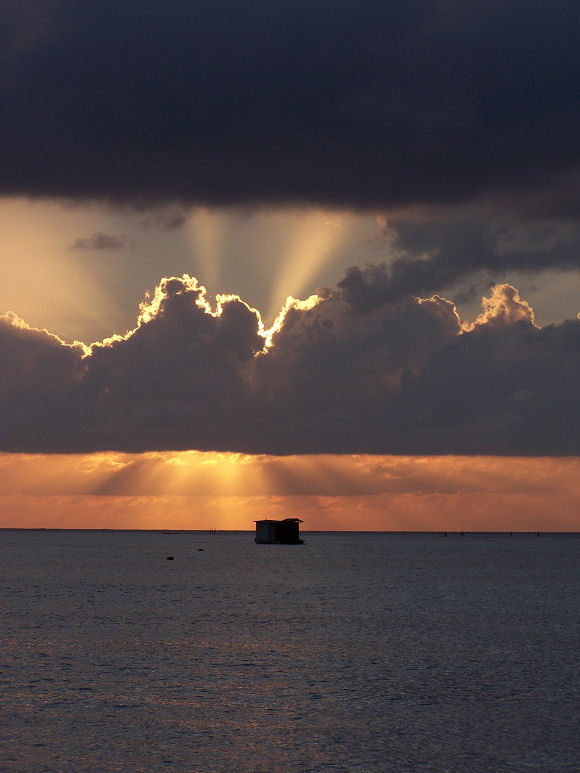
(194, 490)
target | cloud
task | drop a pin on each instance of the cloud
(39, 373)
(168, 218)
(346, 372)
(434, 254)
(504, 307)
(375, 105)
(100, 241)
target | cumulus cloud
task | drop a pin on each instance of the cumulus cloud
(99, 241)
(504, 306)
(435, 253)
(362, 105)
(345, 372)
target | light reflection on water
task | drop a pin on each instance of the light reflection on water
(368, 652)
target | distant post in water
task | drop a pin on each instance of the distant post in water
(286, 532)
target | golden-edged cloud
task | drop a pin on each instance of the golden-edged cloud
(348, 370)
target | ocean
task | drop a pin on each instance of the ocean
(353, 652)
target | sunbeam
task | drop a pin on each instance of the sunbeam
(309, 246)
(270, 254)
(206, 232)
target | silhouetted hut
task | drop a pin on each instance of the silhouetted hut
(286, 532)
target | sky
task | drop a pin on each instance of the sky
(318, 259)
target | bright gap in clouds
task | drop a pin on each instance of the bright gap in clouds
(81, 271)
(193, 490)
(267, 255)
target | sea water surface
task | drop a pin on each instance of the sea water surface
(353, 652)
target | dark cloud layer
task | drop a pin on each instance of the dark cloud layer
(357, 104)
(351, 374)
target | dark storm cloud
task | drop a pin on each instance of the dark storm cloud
(343, 377)
(434, 255)
(99, 241)
(356, 104)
